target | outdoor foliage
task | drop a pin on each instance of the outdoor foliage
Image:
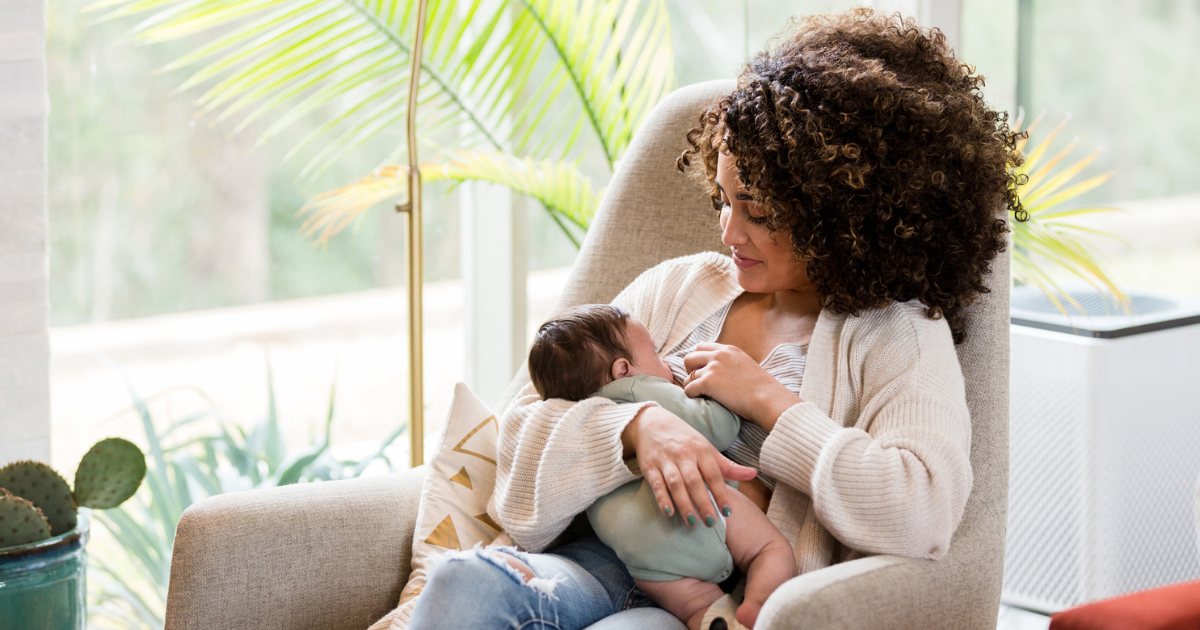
(534, 76)
(129, 590)
(1049, 238)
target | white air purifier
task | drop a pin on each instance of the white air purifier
(1104, 448)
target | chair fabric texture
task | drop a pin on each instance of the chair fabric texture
(244, 567)
(318, 556)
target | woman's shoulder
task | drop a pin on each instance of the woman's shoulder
(686, 274)
(703, 261)
(902, 321)
(672, 297)
(902, 334)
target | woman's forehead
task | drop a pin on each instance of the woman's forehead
(727, 169)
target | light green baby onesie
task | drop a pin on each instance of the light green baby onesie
(655, 547)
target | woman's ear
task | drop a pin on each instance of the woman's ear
(621, 368)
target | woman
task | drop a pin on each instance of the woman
(857, 172)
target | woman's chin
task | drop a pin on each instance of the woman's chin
(750, 281)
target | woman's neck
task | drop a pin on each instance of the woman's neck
(760, 321)
(794, 303)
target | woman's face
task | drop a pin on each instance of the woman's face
(765, 261)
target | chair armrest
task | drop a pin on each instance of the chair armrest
(882, 592)
(331, 555)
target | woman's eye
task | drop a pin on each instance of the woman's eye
(756, 220)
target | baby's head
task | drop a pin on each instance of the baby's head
(589, 346)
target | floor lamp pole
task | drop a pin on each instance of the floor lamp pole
(412, 208)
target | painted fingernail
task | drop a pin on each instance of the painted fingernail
(691, 519)
(725, 511)
(667, 510)
(710, 521)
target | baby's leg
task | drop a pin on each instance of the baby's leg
(686, 598)
(760, 551)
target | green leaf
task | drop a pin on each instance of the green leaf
(1045, 241)
(564, 191)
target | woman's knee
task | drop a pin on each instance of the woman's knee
(486, 569)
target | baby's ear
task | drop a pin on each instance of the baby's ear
(621, 368)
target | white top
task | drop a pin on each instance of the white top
(875, 460)
(785, 362)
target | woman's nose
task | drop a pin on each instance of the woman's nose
(732, 232)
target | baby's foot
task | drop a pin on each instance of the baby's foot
(747, 613)
(722, 615)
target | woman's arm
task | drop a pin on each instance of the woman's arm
(896, 481)
(898, 488)
(554, 458)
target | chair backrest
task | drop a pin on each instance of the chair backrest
(651, 213)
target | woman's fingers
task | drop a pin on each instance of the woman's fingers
(661, 495)
(716, 484)
(679, 493)
(695, 384)
(700, 496)
(697, 359)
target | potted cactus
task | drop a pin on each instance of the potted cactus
(43, 529)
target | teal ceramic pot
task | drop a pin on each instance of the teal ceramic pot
(43, 586)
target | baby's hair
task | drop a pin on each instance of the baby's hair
(572, 354)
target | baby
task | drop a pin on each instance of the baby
(600, 350)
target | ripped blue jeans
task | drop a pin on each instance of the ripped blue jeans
(579, 585)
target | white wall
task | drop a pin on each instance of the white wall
(24, 304)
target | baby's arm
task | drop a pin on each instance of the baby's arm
(716, 423)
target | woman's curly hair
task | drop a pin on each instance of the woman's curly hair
(866, 140)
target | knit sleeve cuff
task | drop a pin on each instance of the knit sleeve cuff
(603, 453)
(790, 452)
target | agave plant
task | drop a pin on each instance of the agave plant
(1049, 238)
(129, 581)
(518, 82)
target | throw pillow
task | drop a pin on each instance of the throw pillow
(452, 513)
(1174, 607)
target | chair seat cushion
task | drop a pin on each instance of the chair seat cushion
(1173, 607)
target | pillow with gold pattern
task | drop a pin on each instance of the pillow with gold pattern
(462, 474)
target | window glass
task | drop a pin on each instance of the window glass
(1126, 75)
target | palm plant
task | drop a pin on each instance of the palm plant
(511, 84)
(517, 82)
(1050, 238)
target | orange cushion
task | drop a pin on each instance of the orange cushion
(1175, 607)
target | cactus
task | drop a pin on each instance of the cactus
(110, 473)
(21, 522)
(36, 503)
(39, 484)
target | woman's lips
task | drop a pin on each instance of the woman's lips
(743, 262)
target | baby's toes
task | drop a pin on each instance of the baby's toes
(747, 613)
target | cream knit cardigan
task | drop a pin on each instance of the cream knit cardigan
(874, 461)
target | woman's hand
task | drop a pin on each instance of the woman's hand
(728, 375)
(681, 466)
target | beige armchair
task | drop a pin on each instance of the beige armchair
(334, 556)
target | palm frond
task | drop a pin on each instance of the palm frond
(617, 57)
(565, 192)
(1046, 240)
(288, 59)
